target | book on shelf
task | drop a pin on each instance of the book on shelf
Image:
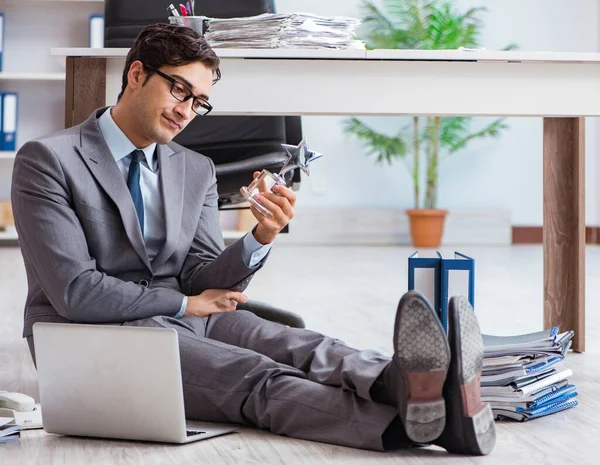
(8, 121)
(96, 39)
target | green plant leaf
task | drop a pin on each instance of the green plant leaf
(510, 47)
(386, 149)
(453, 129)
(491, 130)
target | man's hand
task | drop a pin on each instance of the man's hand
(281, 203)
(213, 301)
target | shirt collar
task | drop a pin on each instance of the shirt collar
(118, 143)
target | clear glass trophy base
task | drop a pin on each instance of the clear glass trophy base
(264, 182)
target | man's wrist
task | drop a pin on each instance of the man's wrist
(182, 308)
(262, 235)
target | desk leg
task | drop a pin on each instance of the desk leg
(85, 88)
(564, 226)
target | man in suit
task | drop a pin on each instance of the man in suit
(119, 225)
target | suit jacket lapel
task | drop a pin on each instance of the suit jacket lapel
(101, 163)
(172, 180)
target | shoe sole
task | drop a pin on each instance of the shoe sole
(478, 421)
(422, 354)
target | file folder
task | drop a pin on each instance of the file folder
(1, 121)
(439, 279)
(457, 278)
(9, 110)
(424, 277)
(97, 31)
(1, 39)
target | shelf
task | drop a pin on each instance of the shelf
(233, 235)
(7, 155)
(10, 235)
(32, 76)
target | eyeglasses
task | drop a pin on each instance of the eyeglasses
(183, 93)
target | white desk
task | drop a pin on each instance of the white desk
(560, 87)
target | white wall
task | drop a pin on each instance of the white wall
(503, 174)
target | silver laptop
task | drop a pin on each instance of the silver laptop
(113, 382)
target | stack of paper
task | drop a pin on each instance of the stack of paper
(522, 376)
(8, 430)
(295, 30)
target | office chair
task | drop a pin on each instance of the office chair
(238, 145)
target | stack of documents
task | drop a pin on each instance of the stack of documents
(295, 30)
(9, 431)
(523, 377)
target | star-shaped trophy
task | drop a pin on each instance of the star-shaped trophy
(298, 157)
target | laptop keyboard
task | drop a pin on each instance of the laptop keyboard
(194, 433)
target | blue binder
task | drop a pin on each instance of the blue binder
(424, 277)
(9, 111)
(457, 278)
(439, 278)
(1, 39)
(1, 121)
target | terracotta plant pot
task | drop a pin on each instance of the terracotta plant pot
(426, 227)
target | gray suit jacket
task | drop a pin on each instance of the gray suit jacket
(84, 254)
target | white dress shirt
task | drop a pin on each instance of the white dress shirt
(154, 219)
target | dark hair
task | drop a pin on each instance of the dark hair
(167, 44)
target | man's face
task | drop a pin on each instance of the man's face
(159, 115)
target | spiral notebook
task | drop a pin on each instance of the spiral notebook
(537, 412)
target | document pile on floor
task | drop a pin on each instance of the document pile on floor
(295, 30)
(8, 430)
(522, 376)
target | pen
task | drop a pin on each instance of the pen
(189, 9)
(173, 10)
(183, 10)
(193, 8)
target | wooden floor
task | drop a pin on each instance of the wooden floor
(350, 293)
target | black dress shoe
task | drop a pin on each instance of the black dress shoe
(469, 422)
(419, 366)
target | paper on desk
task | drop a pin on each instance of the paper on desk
(270, 30)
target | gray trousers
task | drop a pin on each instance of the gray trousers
(239, 368)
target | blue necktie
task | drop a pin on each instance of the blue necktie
(133, 183)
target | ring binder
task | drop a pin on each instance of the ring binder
(439, 279)
(9, 109)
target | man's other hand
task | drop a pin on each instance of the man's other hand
(213, 301)
(281, 203)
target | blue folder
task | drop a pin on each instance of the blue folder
(9, 108)
(1, 121)
(457, 278)
(439, 279)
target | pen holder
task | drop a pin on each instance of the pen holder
(197, 23)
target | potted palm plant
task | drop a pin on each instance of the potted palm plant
(425, 25)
